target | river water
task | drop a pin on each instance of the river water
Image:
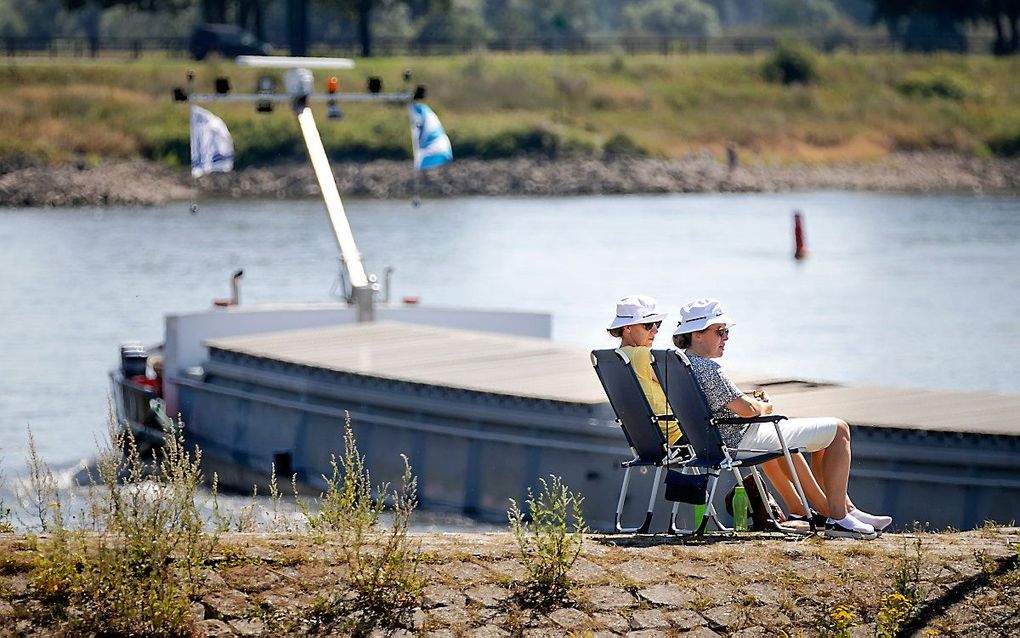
(900, 290)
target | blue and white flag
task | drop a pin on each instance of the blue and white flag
(212, 149)
(431, 145)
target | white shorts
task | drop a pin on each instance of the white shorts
(808, 434)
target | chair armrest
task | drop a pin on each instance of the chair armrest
(765, 418)
(676, 451)
(665, 417)
(753, 451)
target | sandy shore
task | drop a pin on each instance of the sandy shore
(139, 182)
(751, 586)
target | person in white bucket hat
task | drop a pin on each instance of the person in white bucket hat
(635, 324)
(702, 332)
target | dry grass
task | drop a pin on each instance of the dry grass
(860, 108)
(793, 591)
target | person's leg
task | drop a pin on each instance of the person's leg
(879, 522)
(835, 471)
(832, 467)
(818, 462)
(779, 475)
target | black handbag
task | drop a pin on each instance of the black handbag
(686, 488)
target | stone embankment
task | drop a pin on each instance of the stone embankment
(139, 182)
(951, 584)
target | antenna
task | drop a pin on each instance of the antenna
(285, 62)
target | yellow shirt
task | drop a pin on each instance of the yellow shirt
(641, 360)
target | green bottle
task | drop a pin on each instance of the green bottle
(699, 513)
(740, 509)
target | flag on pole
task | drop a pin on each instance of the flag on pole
(431, 145)
(212, 149)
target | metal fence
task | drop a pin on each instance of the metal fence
(81, 47)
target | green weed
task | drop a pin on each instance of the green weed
(909, 593)
(894, 610)
(836, 622)
(550, 543)
(40, 497)
(383, 583)
(136, 554)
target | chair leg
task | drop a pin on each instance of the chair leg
(800, 489)
(672, 521)
(651, 501)
(793, 472)
(647, 524)
(710, 511)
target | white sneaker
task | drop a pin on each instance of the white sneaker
(878, 522)
(849, 527)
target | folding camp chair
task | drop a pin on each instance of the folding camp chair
(701, 432)
(641, 427)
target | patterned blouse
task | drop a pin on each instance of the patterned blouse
(719, 391)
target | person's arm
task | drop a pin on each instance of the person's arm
(745, 406)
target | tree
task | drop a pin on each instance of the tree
(361, 12)
(12, 20)
(1003, 15)
(463, 26)
(799, 13)
(673, 18)
(248, 14)
(550, 20)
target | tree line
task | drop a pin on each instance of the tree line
(916, 24)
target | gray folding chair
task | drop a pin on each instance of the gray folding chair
(641, 427)
(701, 432)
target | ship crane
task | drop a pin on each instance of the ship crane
(299, 82)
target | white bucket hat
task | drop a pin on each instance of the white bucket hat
(636, 309)
(701, 314)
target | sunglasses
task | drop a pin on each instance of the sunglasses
(723, 332)
(653, 324)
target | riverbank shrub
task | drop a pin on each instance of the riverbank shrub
(535, 140)
(793, 62)
(621, 145)
(40, 497)
(549, 534)
(137, 551)
(383, 582)
(1006, 144)
(934, 84)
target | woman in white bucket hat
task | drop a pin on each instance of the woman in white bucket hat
(635, 324)
(702, 333)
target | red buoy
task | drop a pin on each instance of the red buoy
(800, 252)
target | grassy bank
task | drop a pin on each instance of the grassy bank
(855, 108)
(137, 558)
(288, 584)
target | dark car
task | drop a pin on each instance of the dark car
(225, 39)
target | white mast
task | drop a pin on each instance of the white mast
(299, 81)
